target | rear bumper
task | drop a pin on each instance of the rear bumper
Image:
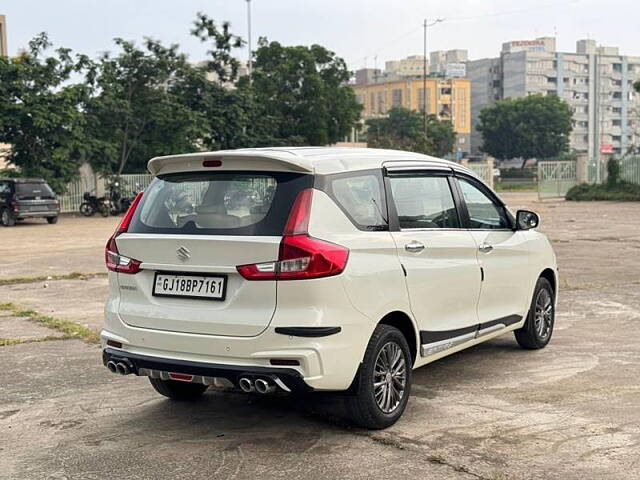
(292, 379)
(43, 214)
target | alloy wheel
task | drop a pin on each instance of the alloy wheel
(389, 377)
(543, 318)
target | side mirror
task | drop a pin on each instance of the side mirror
(526, 220)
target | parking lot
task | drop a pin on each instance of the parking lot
(570, 411)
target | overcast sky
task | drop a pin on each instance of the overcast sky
(354, 29)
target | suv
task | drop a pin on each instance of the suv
(318, 269)
(22, 198)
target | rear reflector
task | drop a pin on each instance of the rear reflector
(183, 377)
(284, 362)
(113, 343)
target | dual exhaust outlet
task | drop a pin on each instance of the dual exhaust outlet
(260, 385)
(120, 367)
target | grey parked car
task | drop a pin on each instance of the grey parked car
(22, 198)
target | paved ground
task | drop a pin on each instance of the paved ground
(570, 411)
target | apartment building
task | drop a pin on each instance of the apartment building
(406, 67)
(596, 81)
(449, 99)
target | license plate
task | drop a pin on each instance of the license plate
(211, 287)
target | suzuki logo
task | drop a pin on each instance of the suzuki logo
(183, 253)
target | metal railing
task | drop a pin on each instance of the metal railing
(73, 198)
(556, 177)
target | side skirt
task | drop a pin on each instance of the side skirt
(433, 342)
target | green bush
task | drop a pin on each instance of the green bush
(512, 172)
(620, 191)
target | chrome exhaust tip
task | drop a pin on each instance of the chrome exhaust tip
(263, 386)
(246, 385)
(122, 368)
(111, 365)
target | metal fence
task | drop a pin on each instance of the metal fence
(482, 170)
(556, 177)
(73, 198)
(630, 169)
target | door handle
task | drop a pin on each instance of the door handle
(485, 248)
(414, 247)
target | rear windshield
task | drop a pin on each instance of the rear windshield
(33, 190)
(220, 203)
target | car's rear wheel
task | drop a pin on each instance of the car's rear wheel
(538, 328)
(52, 220)
(177, 390)
(384, 380)
(6, 218)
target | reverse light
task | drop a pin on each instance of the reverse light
(300, 256)
(116, 262)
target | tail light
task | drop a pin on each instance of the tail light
(116, 262)
(301, 256)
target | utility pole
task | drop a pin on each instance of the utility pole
(425, 25)
(249, 38)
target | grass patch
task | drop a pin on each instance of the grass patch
(42, 278)
(621, 192)
(515, 186)
(68, 328)
(5, 342)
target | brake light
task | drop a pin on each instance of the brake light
(116, 262)
(126, 220)
(300, 256)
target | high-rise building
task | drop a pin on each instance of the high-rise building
(4, 51)
(448, 99)
(596, 81)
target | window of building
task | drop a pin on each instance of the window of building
(616, 95)
(396, 98)
(616, 122)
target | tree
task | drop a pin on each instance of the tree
(39, 112)
(135, 113)
(535, 126)
(300, 95)
(402, 129)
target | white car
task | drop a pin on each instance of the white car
(318, 269)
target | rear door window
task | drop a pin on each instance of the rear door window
(220, 203)
(424, 202)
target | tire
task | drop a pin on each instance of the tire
(104, 210)
(176, 390)
(6, 218)
(363, 404)
(538, 328)
(87, 209)
(52, 220)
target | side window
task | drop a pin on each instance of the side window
(360, 197)
(424, 202)
(4, 188)
(484, 213)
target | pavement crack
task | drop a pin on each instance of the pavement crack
(394, 441)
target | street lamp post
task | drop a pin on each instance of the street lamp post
(424, 73)
(249, 38)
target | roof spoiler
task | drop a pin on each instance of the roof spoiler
(230, 160)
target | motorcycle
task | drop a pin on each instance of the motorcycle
(93, 204)
(118, 203)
